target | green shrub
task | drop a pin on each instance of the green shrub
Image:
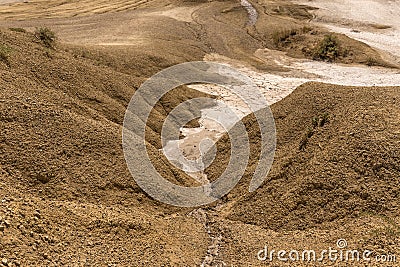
(328, 49)
(46, 37)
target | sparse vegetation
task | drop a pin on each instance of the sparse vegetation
(4, 53)
(328, 49)
(317, 44)
(282, 36)
(46, 36)
(17, 29)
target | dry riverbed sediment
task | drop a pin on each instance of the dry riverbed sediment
(278, 85)
(274, 87)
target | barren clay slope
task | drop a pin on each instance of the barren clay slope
(67, 196)
(338, 157)
(335, 176)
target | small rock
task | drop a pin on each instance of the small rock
(22, 228)
(4, 262)
(2, 228)
(17, 263)
(7, 223)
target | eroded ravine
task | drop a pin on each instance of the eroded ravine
(275, 87)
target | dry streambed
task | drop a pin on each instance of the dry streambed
(277, 86)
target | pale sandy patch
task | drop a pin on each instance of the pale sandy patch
(178, 13)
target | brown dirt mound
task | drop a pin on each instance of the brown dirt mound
(67, 198)
(338, 157)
